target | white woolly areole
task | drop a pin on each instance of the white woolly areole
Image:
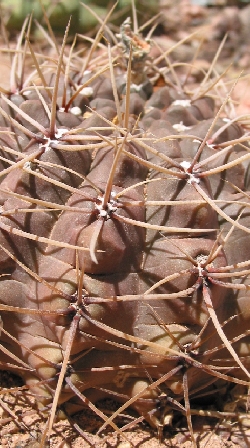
(27, 165)
(180, 127)
(86, 91)
(192, 179)
(185, 164)
(60, 132)
(76, 111)
(210, 146)
(136, 87)
(184, 103)
(111, 206)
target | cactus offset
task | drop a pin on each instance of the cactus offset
(124, 235)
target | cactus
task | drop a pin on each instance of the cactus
(124, 235)
(83, 19)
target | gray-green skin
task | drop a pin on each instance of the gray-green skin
(130, 258)
(82, 19)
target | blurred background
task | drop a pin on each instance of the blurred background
(13, 12)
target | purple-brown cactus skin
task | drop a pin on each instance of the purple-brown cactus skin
(124, 237)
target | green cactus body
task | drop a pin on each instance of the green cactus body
(60, 12)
